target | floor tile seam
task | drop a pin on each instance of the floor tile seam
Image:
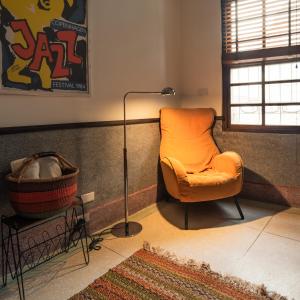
(282, 236)
(258, 236)
(140, 217)
(252, 227)
(114, 251)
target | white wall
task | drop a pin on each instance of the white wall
(141, 45)
(134, 44)
(201, 68)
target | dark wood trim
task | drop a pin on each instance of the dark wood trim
(260, 128)
(22, 129)
(237, 28)
(263, 129)
(266, 61)
(265, 104)
(246, 83)
(263, 93)
(265, 81)
(282, 81)
(36, 128)
(258, 55)
(226, 97)
(290, 23)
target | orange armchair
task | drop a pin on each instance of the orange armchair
(193, 168)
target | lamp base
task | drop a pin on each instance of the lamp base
(126, 230)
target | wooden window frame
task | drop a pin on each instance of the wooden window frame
(227, 102)
(261, 57)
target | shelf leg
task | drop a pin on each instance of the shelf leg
(4, 254)
(17, 265)
(65, 233)
(85, 251)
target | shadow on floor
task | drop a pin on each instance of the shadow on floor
(216, 213)
(224, 212)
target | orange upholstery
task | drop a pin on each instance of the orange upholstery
(192, 166)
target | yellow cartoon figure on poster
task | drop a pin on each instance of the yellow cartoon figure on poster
(44, 44)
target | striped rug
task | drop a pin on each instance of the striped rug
(155, 274)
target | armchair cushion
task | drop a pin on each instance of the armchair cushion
(177, 167)
(186, 136)
(228, 162)
(174, 175)
(209, 185)
(209, 177)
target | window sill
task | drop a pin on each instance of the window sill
(263, 129)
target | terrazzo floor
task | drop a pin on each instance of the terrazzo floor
(263, 248)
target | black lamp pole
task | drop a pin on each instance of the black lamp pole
(127, 229)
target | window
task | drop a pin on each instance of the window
(261, 64)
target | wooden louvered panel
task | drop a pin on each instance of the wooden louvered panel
(260, 25)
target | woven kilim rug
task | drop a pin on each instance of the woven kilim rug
(152, 273)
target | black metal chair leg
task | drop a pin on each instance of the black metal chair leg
(186, 216)
(239, 208)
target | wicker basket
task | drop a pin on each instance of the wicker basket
(42, 198)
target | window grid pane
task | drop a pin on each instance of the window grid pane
(282, 71)
(246, 115)
(245, 90)
(245, 74)
(282, 92)
(283, 115)
(245, 94)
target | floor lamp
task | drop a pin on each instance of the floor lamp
(126, 228)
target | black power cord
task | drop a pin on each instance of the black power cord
(94, 244)
(96, 239)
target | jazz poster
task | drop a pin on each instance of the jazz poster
(44, 46)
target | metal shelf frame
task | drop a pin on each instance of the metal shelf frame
(38, 249)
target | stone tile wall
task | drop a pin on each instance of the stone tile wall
(98, 152)
(272, 163)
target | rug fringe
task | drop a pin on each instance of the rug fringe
(243, 285)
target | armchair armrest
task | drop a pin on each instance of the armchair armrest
(229, 162)
(176, 167)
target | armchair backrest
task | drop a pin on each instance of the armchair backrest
(186, 136)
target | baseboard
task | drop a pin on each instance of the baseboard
(279, 194)
(104, 214)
